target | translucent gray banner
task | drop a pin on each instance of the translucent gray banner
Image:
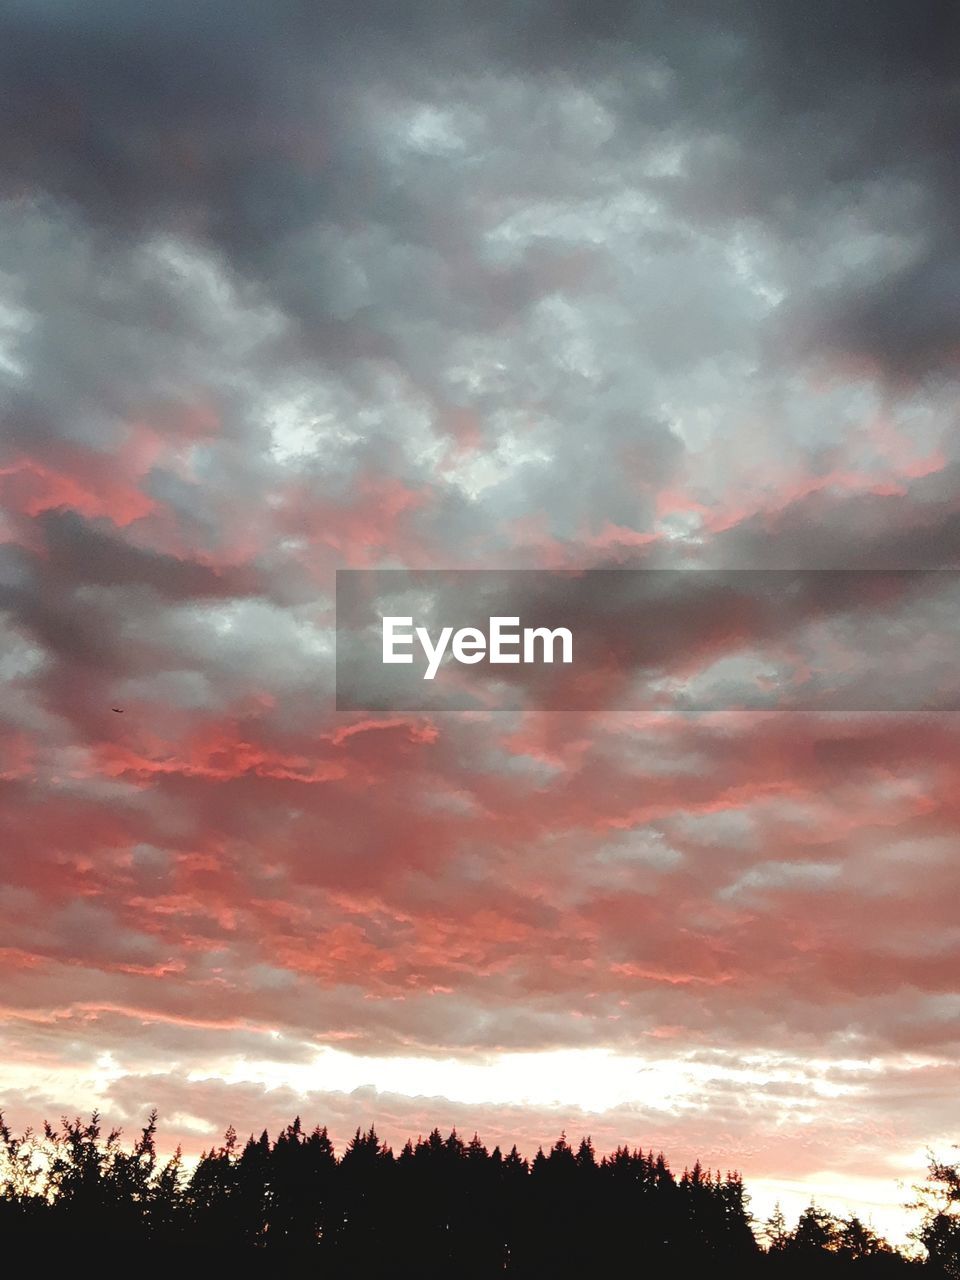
(697, 640)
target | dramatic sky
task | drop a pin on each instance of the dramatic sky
(289, 287)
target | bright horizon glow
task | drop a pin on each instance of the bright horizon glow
(560, 1089)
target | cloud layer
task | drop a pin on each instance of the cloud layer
(555, 285)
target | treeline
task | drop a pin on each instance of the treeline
(441, 1207)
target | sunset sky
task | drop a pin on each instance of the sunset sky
(286, 288)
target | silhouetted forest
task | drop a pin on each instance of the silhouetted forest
(441, 1207)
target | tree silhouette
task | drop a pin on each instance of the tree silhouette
(939, 1201)
(444, 1207)
(775, 1230)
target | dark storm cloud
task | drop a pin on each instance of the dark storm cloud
(265, 136)
(77, 551)
(245, 124)
(915, 530)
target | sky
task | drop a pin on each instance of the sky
(289, 288)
